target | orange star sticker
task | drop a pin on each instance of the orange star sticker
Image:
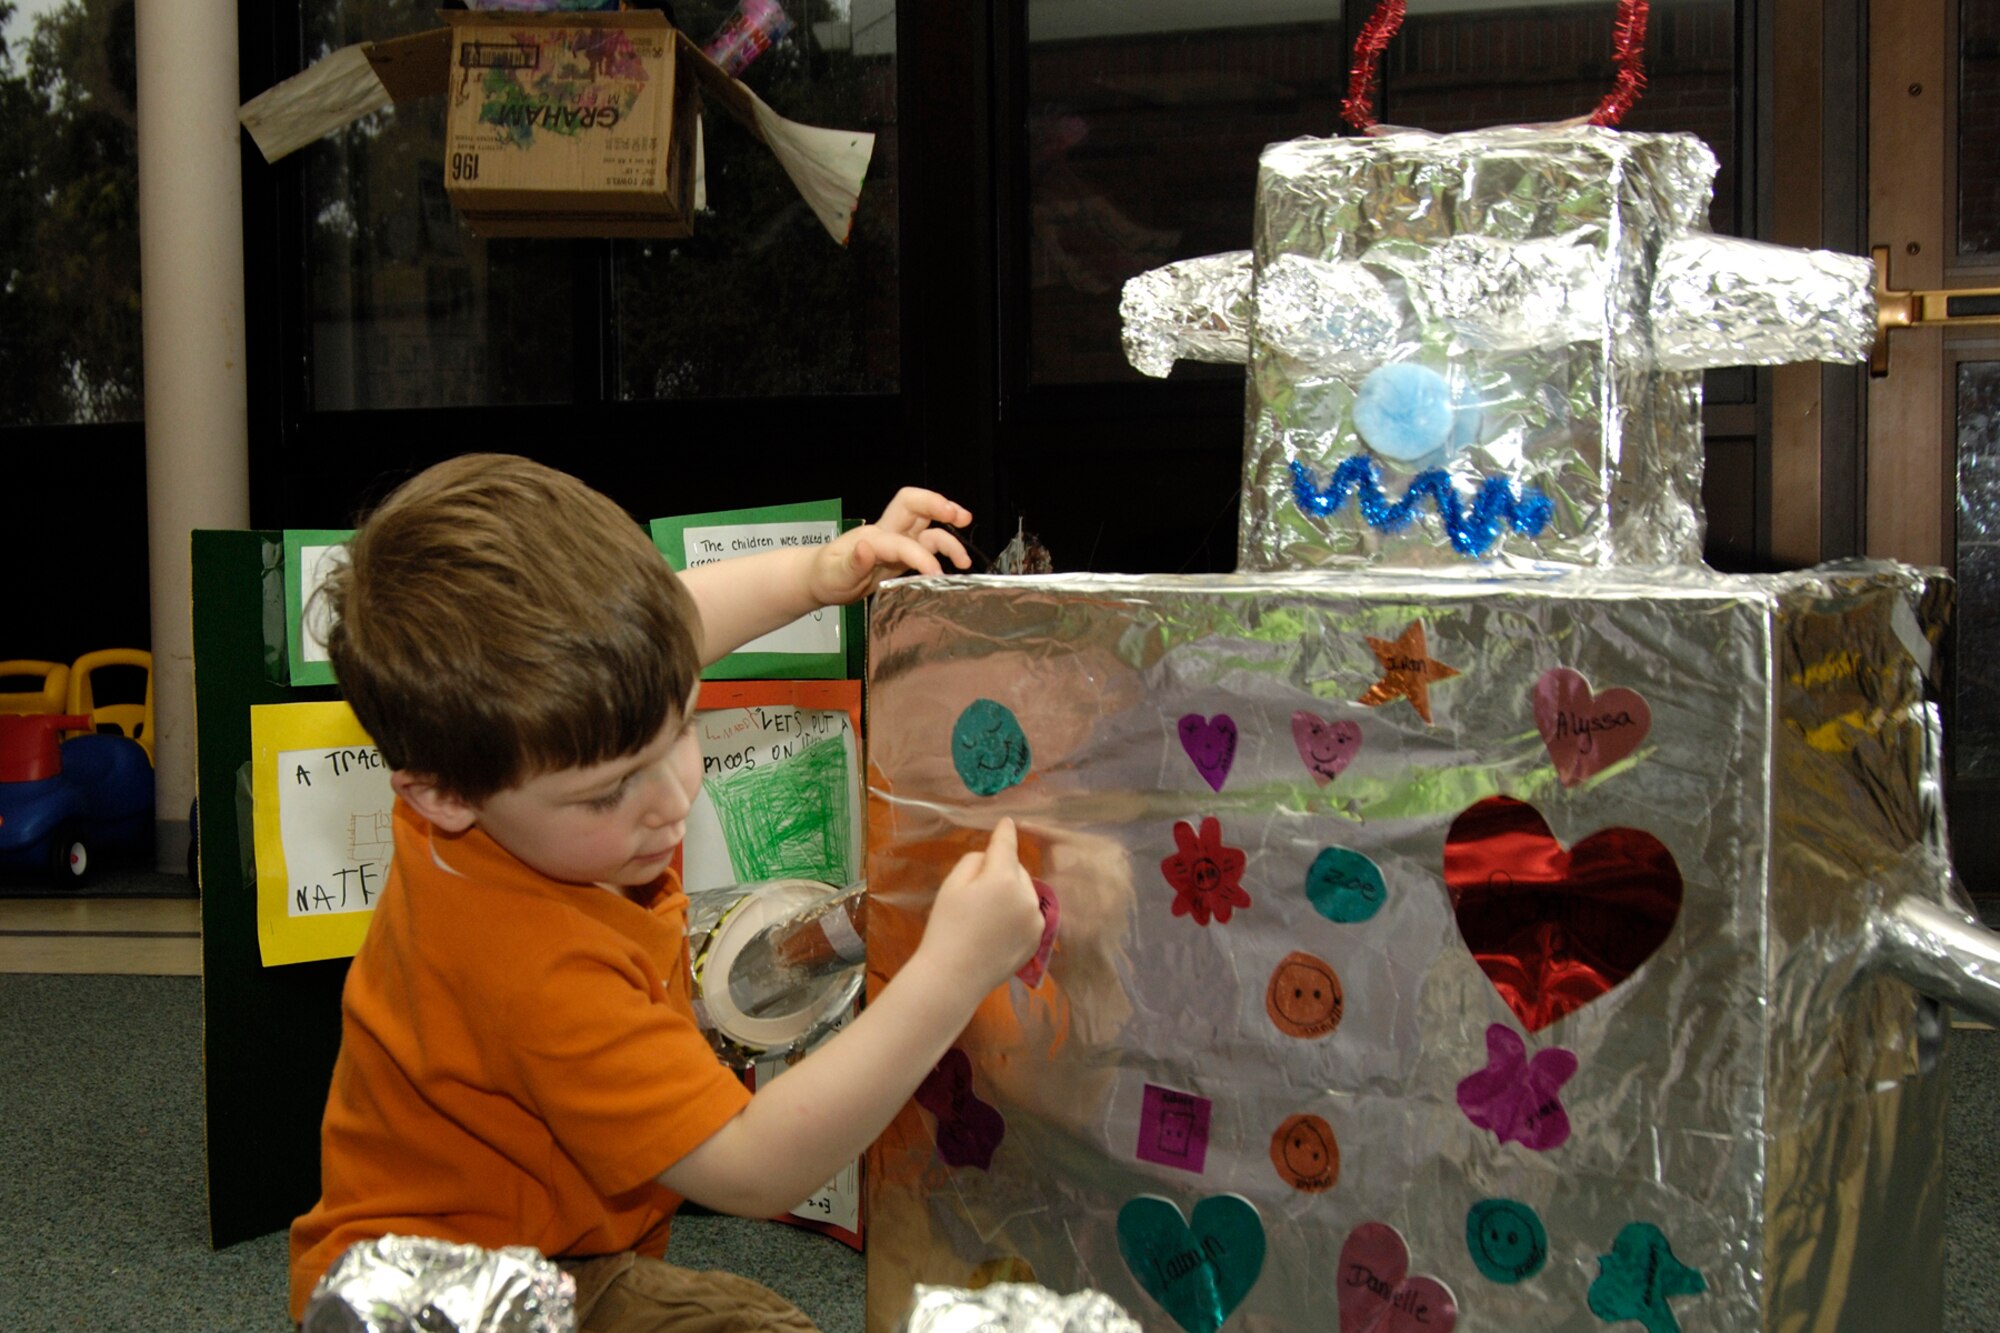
(1407, 671)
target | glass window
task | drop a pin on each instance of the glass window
(406, 308)
(760, 301)
(1978, 128)
(1145, 119)
(69, 213)
(1975, 727)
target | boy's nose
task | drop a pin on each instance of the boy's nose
(666, 800)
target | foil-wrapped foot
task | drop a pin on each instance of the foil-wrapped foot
(1014, 1307)
(419, 1284)
(1190, 310)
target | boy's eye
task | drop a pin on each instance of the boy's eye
(608, 801)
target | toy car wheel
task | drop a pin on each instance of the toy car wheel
(69, 855)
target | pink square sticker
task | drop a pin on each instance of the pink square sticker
(1173, 1129)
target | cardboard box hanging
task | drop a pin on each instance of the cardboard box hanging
(568, 124)
(606, 191)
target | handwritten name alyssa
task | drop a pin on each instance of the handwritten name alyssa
(1585, 728)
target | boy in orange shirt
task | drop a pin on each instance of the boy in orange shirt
(519, 1060)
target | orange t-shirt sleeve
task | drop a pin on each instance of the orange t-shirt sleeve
(624, 1080)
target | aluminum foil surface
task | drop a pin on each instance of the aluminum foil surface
(1720, 301)
(417, 1284)
(1513, 948)
(1523, 260)
(1013, 1307)
(1194, 310)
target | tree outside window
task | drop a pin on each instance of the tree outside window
(69, 213)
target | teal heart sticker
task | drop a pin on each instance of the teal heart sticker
(1197, 1271)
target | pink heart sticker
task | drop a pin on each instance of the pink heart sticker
(1032, 970)
(1327, 747)
(1587, 733)
(1376, 1293)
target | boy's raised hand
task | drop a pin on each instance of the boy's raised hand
(907, 539)
(987, 922)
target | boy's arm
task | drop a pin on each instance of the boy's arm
(799, 1130)
(752, 595)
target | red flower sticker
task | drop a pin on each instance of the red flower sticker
(1207, 876)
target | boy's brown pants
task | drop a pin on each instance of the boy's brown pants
(630, 1293)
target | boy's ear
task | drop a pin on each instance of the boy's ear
(445, 810)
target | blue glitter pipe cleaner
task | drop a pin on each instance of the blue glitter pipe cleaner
(1471, 534)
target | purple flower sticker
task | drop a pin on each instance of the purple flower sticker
(1518, 1098)
(968, 1129)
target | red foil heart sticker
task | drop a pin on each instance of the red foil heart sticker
(1554, 929)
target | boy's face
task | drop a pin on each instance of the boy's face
(615, 823)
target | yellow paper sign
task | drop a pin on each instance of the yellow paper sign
(323, 829)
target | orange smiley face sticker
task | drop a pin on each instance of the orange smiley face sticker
(1304, 998)
(1305, 1153)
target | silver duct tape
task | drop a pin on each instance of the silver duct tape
(1193, 310)
(1523, 260)
(1013, 1307)
(1755, 1091)
(1719, 301)
(417, 1284)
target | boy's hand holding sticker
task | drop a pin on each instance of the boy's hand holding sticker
(905, 540)
(987, 921)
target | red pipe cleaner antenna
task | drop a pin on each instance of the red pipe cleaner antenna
(1358, 108)
(1628, 53)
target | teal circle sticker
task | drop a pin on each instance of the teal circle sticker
(1345, 886)
(1506, 1240)
(989, 748)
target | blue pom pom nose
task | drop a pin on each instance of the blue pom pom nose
(1404, 411)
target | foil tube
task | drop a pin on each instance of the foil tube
(417, 1284)
(1720, 301)
(1193, 310)
(1754, 1093)
(1013, 1307)
(1946, 954)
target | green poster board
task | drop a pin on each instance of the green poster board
(269, 1034)
(813, 647)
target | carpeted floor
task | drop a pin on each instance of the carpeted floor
(103, 1224)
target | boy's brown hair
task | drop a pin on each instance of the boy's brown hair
(496, 619)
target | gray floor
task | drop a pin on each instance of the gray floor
(103, 1223)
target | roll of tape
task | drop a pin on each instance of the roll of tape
(759, 906)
